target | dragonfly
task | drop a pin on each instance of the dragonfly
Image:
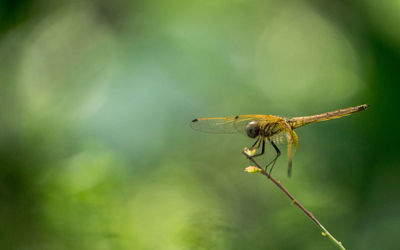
(269, 129)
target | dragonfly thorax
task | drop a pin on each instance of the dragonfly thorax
(256, 128)
(271, 129)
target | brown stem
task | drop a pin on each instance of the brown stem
(308, 213)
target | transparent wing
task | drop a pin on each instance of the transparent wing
(290, 139)
(281, 139)
(225, 125)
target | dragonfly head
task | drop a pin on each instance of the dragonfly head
(253, 129)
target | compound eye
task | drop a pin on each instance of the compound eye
(253, 129)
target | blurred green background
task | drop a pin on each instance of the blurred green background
(96, 98)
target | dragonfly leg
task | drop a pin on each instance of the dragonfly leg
(278, 153)
(255, 143)
(262, 148)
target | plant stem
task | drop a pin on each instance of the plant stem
(308, 213)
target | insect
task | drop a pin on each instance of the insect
(268, 128)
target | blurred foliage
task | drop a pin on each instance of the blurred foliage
(96, 98)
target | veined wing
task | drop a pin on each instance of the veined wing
(279, 138)
(282, 139)
(225, 125)
(290, 138)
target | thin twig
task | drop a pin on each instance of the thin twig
(308, 213)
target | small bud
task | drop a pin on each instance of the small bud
(252, 169)
(249, 152)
